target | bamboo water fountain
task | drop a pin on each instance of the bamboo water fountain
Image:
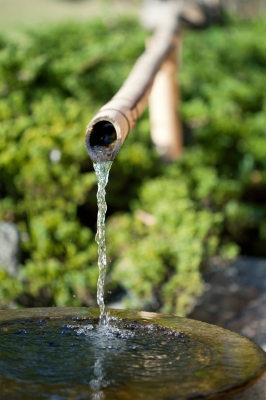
(64, 353)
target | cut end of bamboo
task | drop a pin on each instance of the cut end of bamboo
(103, 139)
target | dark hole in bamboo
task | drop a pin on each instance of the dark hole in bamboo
(103, 134)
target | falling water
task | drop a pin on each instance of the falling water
(102, 173)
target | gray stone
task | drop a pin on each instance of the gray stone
(235, 297)
(9, 247)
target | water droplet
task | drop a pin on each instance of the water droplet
(21, 332)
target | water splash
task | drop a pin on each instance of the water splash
(102, 173)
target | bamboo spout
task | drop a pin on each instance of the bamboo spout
(111, 125)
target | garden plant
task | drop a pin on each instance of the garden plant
(166, 223)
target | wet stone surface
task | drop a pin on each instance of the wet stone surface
(31, 342)
(60, 353)
(235, 298)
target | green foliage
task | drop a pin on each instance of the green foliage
(224, 107)
(10, 287)
(49, 90)
(159, 250)
(210, 202)
(164, 221)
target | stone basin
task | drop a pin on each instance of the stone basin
(63, 353)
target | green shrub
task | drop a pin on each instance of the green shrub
(164, 221)
(224, 106)
(159, 250)
(49, 90)
(223, 173)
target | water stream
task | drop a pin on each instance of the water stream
(102, 173)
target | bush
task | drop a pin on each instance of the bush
(172, 218)
(224, 106)
(50, 89)
(221, 176)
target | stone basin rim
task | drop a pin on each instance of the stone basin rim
(200, 331)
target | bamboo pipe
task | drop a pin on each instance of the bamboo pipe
(166, 130)
(111, 125)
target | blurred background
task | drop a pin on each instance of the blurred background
(186, 238)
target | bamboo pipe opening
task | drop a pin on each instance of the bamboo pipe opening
(103, 134)
(103, 139)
